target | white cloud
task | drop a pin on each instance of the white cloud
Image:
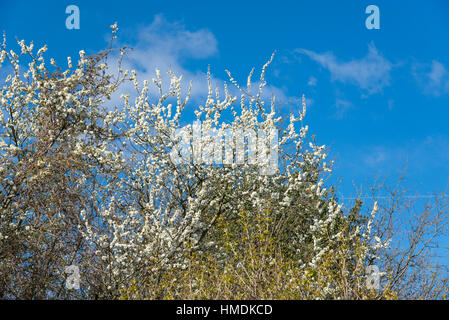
(433, 78)
(175, 41)
(169, 46)
(371, 73)
(312, 81)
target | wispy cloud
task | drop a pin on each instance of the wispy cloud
(371, 73)
(433, 78)
(418, 154)
(312, 81)
(342, 107)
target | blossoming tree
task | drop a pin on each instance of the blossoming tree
(93, 183)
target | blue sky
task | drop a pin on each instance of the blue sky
(378, 98)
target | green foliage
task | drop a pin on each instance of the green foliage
(254, 264)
